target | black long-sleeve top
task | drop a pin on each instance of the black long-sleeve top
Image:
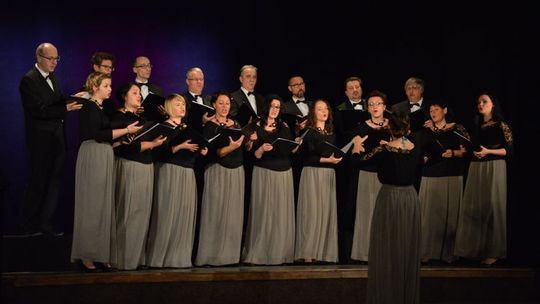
(494, 135)
(395, 166)
(94, 124)
(312, 155)
(270, 159)
(435, 144)
(375, 135)
(232, 160)
(131, 151)
(183, 157)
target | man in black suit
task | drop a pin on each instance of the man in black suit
(45, 109)
(415, 106)
(418, 110)
(247, 104)
(194, 94)
(347, 116)
(296, 107)
(350, 112)
(152, 95)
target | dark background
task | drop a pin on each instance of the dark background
(459, 49)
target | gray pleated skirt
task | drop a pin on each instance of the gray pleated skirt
(222, 216)
(134, 189)
(481, 231)
(368, 188)
(394, 253)
(440, 198)
(270, 232)
(316, 218)
(94, 217)
(172, 227)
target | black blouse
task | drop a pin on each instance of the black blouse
(436, 143)
(231, 160)
(184, 158)
(131, 151)
(310, 153)
(394, 166)
(494, 135)
(270, 159)
(94, 124)
(375, 135)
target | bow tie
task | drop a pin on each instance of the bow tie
(301, 101)
(412, 104)
(250, 93)
(140, 84)
(197, 96)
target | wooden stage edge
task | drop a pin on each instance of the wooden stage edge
(247, 273)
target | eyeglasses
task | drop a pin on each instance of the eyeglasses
(50, 58)
(108, 67)
(297, 84)
(195, 79)
(375, 104)
(144, 66)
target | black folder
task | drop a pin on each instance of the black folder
(225, 133)
(350, 119)
(283, 145)
(77, 99)
(326, 149)
(469, 144)
(244, 114)
(181, 135)
(150, 105)
(292, 119)
(196, 112)
(154, 131)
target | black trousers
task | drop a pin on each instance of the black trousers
(47, 150)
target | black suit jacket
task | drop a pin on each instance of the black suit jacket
(239, 98)
(417, 119)
(344, 128)
(44, 109)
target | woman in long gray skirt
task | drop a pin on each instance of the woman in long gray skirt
(270, 232)
(134, 170)
(222, 210)
(368, 184)
(316, 218)
(394, 252)
(481, 229)
(94, 218)
(172, 227)
(441, 187)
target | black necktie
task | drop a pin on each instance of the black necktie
(412, 104)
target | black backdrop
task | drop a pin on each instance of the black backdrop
(459, 49)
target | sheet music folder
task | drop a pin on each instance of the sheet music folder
(283, 145)
(154, 131)
(189, 133)
(196, 112)
(326, 149)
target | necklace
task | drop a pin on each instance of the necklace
(435, 128)
(97, 103)
(222, 124)
(380, 124)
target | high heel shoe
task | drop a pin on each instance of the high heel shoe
(489, 262)
(88, 267)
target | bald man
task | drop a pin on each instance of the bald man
(45, 109)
